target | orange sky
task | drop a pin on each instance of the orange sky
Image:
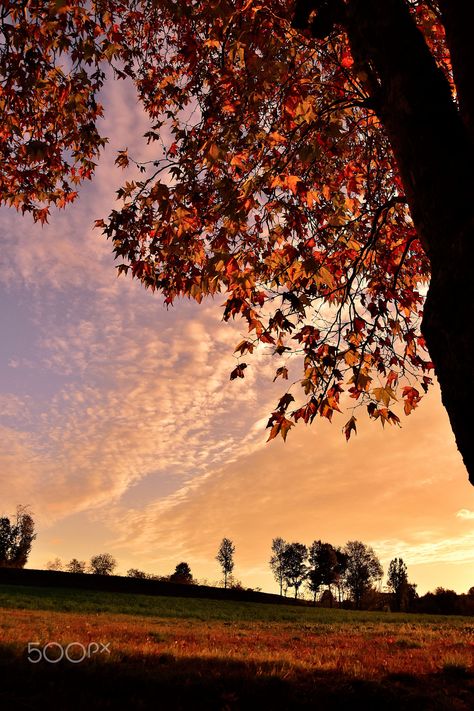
(120, 428)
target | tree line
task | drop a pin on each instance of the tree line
(105, 564)
(347, 575)
(351, 571)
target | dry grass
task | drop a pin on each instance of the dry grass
(240, 664)
(368, 650)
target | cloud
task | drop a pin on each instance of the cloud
(314, 486)
(465, 514)
(136, 392)
(14, 407)
(453, 549)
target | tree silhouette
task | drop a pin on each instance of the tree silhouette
(340, 571)
(76, 566)
(319, 173)
(363, 570)
(225, 557)
(323, 567)
(55, 564)
(295, 568)
(16, 538)
(136, 573)
(182, 574)
(277, 561)
(397, 581)
(102, 564)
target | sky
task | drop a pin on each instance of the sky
(119, 426)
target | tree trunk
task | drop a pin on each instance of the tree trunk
(432, 144)
(458, 21)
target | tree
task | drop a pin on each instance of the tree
(295, 568)
(102, 564)
(397, 581)
(363, 570)
(16, 538)
(316, 174)
(323, 562)
(55, 564)
(136, 573)
(314, 582)
(225, 557)
(182, 574)
(76, 566)
(340, 572)
(277, 561)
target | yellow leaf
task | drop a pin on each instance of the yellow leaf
(291, 182)
(276, 138)
(384, 395)
(351, 357)
(312, 197)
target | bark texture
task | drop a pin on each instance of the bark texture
(431, 135)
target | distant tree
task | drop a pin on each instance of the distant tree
(55, 564)
(76, 566)
(397, 582)
(16, 538)
(323, 562)
(340, 572)
(234, 583)
(294, 558)
(102, 564)
(314, 582)
(136, 573)
(225, 557)
(441, 602)
(363, 569)
(182, 574)
(410, 595)
(277, 561)
(471, 591)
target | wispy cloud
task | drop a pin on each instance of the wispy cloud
(465, 514)
(453, 549)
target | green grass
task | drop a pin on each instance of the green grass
(97, 602)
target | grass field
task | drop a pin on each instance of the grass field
(177, 653)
